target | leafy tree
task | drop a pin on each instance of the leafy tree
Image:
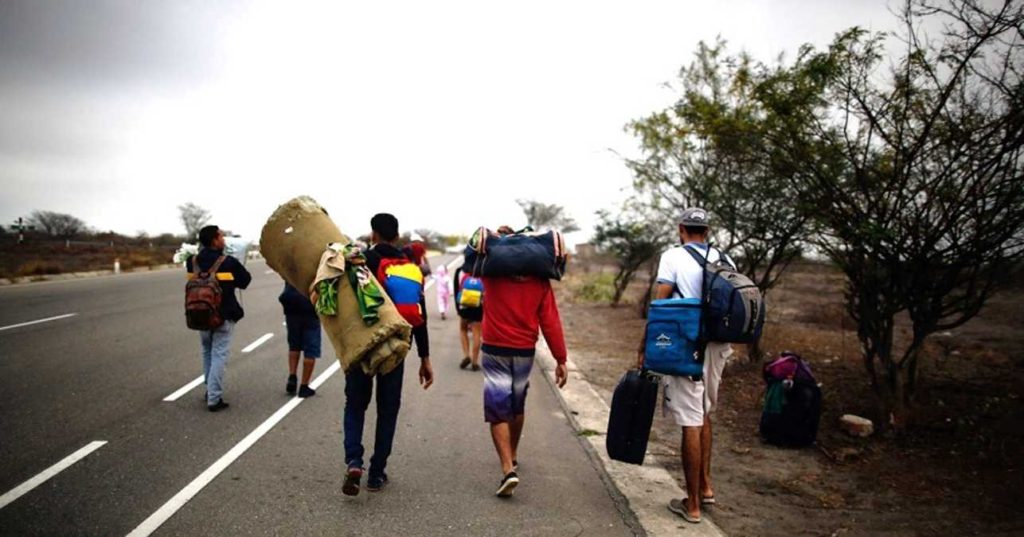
(56, 224)
(547, 216)
(193, 217)
(915, 166)
(633, 238)
(710, 149)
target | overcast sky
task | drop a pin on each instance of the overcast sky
(443, 113)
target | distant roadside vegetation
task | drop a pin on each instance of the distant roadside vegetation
(76, 248)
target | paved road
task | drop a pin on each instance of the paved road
(102, 375)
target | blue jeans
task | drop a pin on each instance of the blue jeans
(358, 390)
(216, 346)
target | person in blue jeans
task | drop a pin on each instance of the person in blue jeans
(303, 328)
(359, 385)
(216, 344)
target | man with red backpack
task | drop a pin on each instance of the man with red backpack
(212, 308)
(403, 281)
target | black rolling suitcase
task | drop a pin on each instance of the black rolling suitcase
(632, 413)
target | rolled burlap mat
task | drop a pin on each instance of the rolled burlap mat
(293, 241)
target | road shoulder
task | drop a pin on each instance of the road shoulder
(645, 489)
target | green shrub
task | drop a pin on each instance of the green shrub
(595, 287)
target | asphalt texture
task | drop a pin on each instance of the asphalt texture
(103, 373)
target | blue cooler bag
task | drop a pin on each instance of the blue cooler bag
(671, 342)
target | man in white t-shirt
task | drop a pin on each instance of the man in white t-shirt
(691, 400)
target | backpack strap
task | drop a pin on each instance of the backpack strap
(702, 344)
(217, 264)
(702, 260)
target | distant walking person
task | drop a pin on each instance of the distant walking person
(385, 261)
(229, 274)
(444, 291)
(518, 308)
(303, 326)
(470, 307)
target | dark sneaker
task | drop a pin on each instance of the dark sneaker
(293, 381)
(476, 367)
(376, 483)
(465, 363)
(306, 391)
(508, 485)
(218, 406)
(352, 477)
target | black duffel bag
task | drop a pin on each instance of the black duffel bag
(631, 416)
(525, 253)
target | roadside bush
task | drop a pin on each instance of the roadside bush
(595, 287)
(39, 268)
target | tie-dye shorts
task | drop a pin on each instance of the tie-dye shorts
(506, 380)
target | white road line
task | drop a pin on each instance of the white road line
(184, 389)
(263, 339)
(179, 500)
(27, 486)
(19, 325)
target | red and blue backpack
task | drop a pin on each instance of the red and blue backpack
(403, 281)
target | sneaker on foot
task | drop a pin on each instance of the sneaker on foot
(352, 477)
(508, 485)
(476, 367)
(375, 483)
(290, 386)
(218, 406)
(465, 363)
(306, 391)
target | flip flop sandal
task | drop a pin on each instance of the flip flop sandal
(707, 500)
(679, 508)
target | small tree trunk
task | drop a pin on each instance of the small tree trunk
(621, 283)
(645, 300)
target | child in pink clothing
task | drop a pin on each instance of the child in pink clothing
(443, 287)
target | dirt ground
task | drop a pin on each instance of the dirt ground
(957, 470)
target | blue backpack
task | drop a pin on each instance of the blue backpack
(672, 340)
(471, 292)
(734, 307)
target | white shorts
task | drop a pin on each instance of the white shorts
(688, 401)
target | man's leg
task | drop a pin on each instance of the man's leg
(684, 402)
(691, 455)
(516, 427)
(219, 349)
(308, 365)
(293, 363)
(521, 367)
(716, 356)
(477, 340)
(499, 410)
(206, 346)
(501, 434)
(706, 491)
(464, 336)
(358, 390)
(389, 401)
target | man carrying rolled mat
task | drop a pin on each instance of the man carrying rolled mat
(359, 385)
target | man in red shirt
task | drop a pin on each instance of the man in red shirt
(517, 309)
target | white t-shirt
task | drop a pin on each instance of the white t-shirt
(677, 266)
